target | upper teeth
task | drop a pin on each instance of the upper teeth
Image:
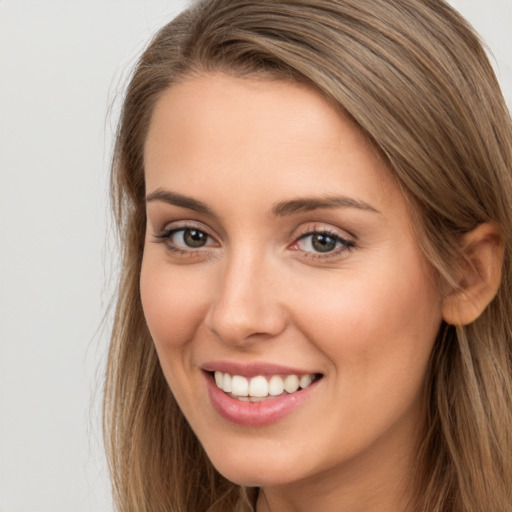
(260, 386)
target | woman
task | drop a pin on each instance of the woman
(314, 309)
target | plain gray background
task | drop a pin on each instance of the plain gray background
(63, 65)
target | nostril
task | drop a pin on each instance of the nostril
(242, 312)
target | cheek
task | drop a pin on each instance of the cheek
(173, 306)
(378, 326)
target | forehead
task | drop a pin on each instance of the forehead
(253, 135)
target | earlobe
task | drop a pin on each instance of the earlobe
(480, 275)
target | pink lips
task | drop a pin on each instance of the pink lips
(254, 414)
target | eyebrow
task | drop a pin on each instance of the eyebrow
(308, 204)
(280, 209)
(178, 200)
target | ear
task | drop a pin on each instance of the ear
(480, 275)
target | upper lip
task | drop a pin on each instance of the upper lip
(253, 369)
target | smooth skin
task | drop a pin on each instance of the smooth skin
(234, 270)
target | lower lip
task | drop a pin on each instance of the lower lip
(256, 414)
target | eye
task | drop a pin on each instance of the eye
(322, 242)
(184, 239)
(189, 237)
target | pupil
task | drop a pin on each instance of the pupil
(194, 238)
(323, 243)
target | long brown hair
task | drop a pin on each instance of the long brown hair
(415, 78)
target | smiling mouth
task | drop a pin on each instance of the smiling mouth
(261, 387)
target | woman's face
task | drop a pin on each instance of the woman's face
(280, 251)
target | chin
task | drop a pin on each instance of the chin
(257, 467)
(253, 477)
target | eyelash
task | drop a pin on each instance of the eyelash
(164, 237)
(345, 244)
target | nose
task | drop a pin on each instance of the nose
(246, 304)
